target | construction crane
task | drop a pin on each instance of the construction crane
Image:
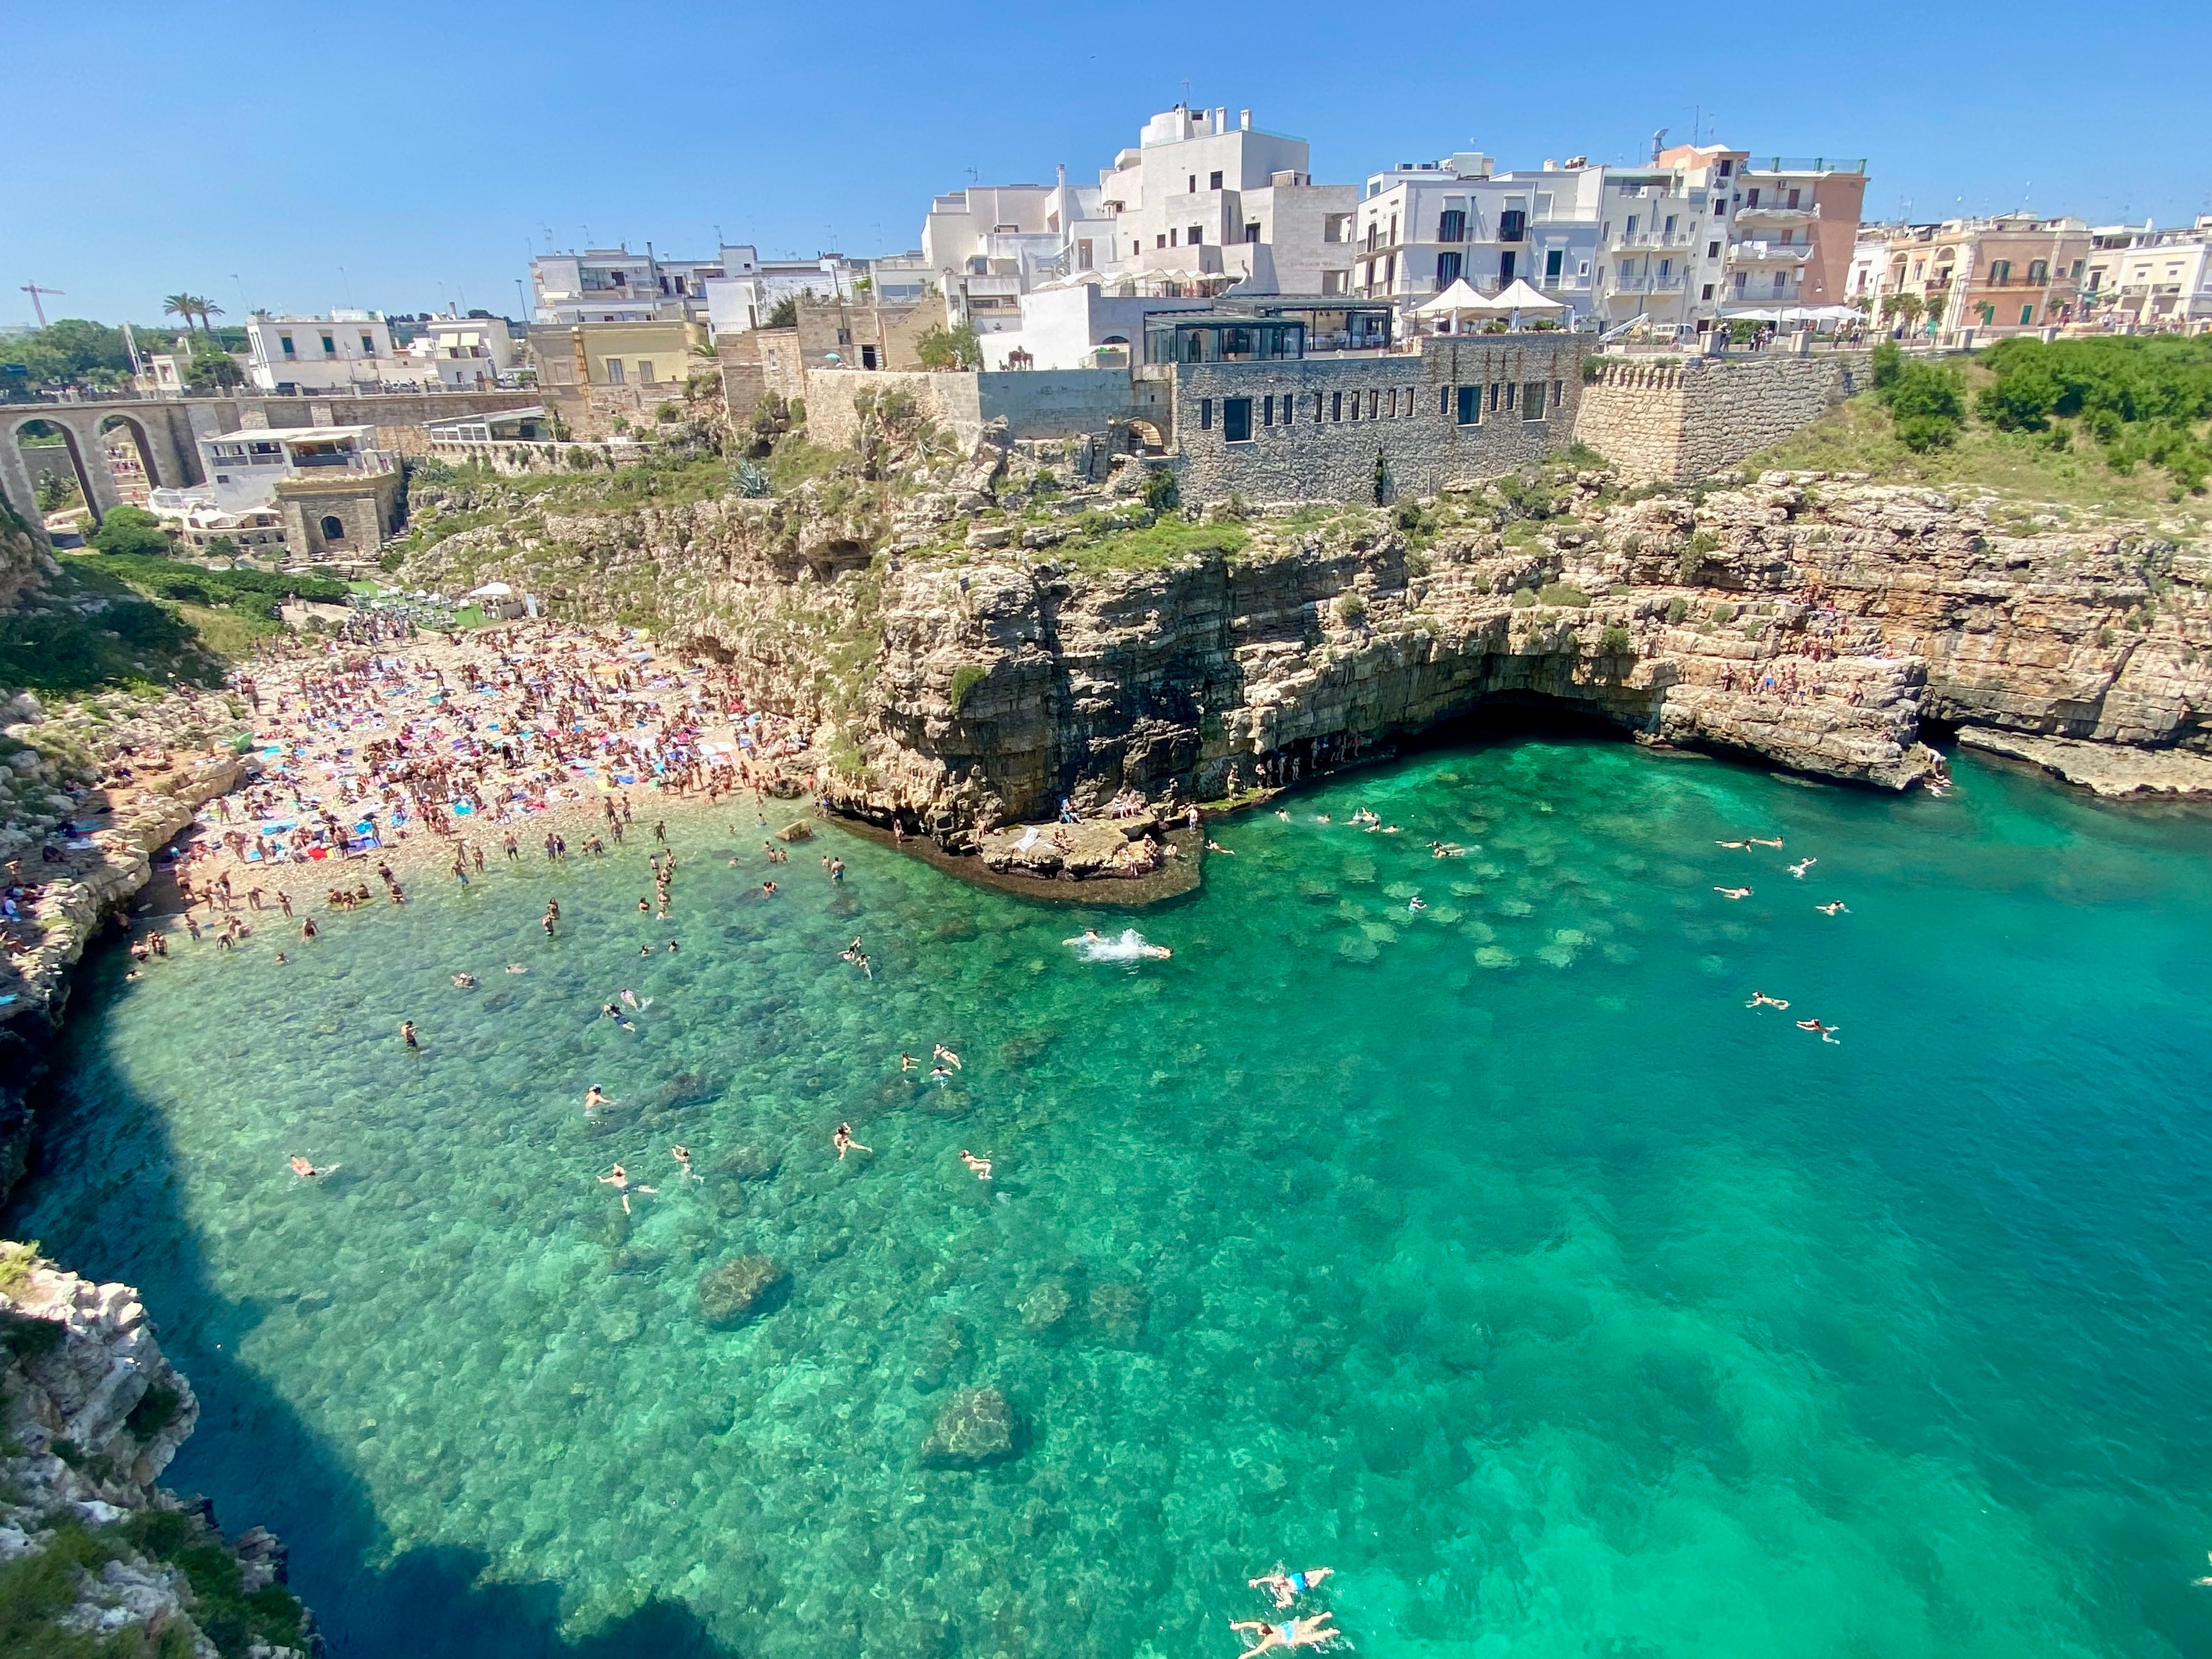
(34, 291)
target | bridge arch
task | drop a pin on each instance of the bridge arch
(142, 440)
(24, 464)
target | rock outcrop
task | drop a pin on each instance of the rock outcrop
(976, 1428)
(90, 1414)
(1014, 640)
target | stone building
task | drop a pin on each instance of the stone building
(593, 373)
(1370, 427)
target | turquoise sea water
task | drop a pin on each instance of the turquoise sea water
(1494, 1255)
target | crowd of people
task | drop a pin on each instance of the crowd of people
(412, 746)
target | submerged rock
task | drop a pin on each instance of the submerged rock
(1046, 1307)
(738, 1289)
(797, 829)
(976, 1428)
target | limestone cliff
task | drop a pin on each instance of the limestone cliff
(90, 1414)
(979, 639)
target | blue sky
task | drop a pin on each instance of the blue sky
(402, 155)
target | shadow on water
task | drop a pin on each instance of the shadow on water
(263, 1466)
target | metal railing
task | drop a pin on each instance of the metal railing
(1804, 164)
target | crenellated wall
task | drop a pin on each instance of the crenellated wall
(1682, 421)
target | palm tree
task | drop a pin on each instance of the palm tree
(206, 311)
(181, 305)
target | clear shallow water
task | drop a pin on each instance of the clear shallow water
(1496, 1255)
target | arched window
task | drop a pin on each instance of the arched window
(333, 528)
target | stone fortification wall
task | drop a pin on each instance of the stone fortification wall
(1317, 424)
(1682, 421)
(1060, 403)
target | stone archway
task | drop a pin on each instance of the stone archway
(148, 458)
(26, 459)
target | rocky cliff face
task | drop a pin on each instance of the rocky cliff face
(966, 657)
(90, 1414)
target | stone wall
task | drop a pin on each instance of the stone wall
(1682, 421)
(368, 507)
(1058, 403)
(1341, 411)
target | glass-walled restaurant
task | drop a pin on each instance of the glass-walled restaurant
(1272, 334)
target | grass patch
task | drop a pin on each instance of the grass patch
(1095, 549)
(966, 678)
(1859, 436)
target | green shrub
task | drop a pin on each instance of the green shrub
(1351, 609)
(131, 530)
(1616, 642)
(157, 1408)
(1927, 402)
(966, 678)
(1524, 599)
(1677, 609)
(1724, 613)
(1161, 494)
(1562, 593)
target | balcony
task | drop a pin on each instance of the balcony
(1803, 164)
(1768, 213)
(1760, 252)
(352, 460)
(1625, 240)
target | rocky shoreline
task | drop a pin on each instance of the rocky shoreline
(90, 1547)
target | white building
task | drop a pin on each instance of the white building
(243, 468)
(748, 295)
(1422, 227)
(2155, 277)
(1197, 205)
(346, 351)
(464, 354)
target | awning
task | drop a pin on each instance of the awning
(1519, 296)
(1458, 297)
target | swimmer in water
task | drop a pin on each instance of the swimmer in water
(281, 960)
(940, 1051)
(767, 890)
(620, 1182)
(981, 1166)
(465, 981)
(1738, 845)
(516, 967)
(593, 1099)
(1756, 841)
(407, 1035)
(1212, 846)
(1321, 818)
(907, 1063)
(306, 1171)
(1415, 904)
(1281, 814)
(1314, 1631)
(630, 997)
(1734, 892)
(842, 1138)
(1828, 1032)
(683, 1156)
(1799, 868)
(1287, 1586)
(1837, 908)
(1760, 999)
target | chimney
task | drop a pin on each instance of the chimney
(1221, 119)
(1063, 175)
(1244, 119)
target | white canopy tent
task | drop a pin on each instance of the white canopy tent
(1462, 301)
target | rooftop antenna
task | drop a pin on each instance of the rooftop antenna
(1658, 143)
(34, 290)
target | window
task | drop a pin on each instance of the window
(1389, 268)
(1447, 270)
(1555, 265)
(1252, 232)
(1268, 410)
(333, 528)
(2077, 271)
(1670, 225)
(1989, 312)
(329, 347)
(1510, 389)
(1197, 236)
(1289, 408)
(1512, 224)
(1214, 181)
(1171, 238)
(1708, 292)
(1206, 414)
(2038, 272)
(1083, 253)
(368, 345)
(1470, 405)
(844, 337)
(1443, 400)
(645, 371)
(1504, 268)
(2000, 271)
(1631, 232)
(2026, 315)
(1451, 225)
(1720, 209)
(1751, 198)
(1727, 167)
(867, 357)
(1713, 250)
(1159, 240)
(1781, 281)
(285, 341)
(1794, 196)
(1192, 191)
(614, 370)
(1493, 396)
(1665, 269)
(1741, 278)
(1558, 394)
(1236, 420)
